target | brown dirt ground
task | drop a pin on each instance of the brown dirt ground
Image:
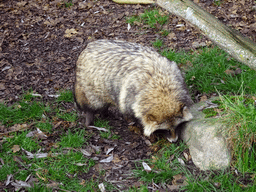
(40, 41)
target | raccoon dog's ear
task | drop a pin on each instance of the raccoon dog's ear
(186, 114)
(151, 117)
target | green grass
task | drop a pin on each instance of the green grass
(22, 141)
(53, 168)
(68, 4)
(105, 124)
(163, 170)
(64, 163)
(164, 33)
(221, 181)
(150, 18)
(63, 168)
(210, 112)
(205, 71)
(22, 112)
(158, 43)
(142, 188)
(45, 126)
(71, 116)
(218, 2)
(239, 116)
(66, 96)
(75, 140)
(241, 120)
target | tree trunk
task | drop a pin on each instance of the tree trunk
(239, 47)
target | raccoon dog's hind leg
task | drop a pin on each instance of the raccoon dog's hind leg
(81, 103)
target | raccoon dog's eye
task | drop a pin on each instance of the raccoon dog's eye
(151, 118)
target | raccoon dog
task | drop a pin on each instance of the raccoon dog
(136, 79)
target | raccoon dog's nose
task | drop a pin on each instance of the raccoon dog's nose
(172, 137)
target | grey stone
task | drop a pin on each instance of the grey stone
(207, 145)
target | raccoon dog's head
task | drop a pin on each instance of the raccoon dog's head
(166, 118)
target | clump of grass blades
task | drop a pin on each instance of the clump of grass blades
(163, 170)
(241, 132)
(22, 112)
(66, 96)
(149, 17)
(206, 71)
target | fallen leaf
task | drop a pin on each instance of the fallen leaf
(192, 78)
(146, 167)
(109, 150)
(53, 184)
(22, 3)
(38, 155)
(8, 181)
(70, 32)
(2, 161)
(55, 96)
(15, 148)
(84, 5)
(107, 160)
(19, 184)
(44, 179)
(137, 23)
(57, 124)
(116, 159)
(198, 44)
(173, 187)
(96, 148)
(36, 95)
(181, 27)
(171, 36)
(80, 40)
(18, 159)
(81, 164)
(148, 143)
(217, 184)
(19, 127)
(181, 161)
(102, 187)
(135, 129)
(178, 179)
(171, 157)
(6, 67)
(128, 27)
(37, 133)
(2, 86)
(238, 71)
(85, 152)
(203, 98)
(187, 157)
(83, 182)
(99, 128)
(230, 72)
